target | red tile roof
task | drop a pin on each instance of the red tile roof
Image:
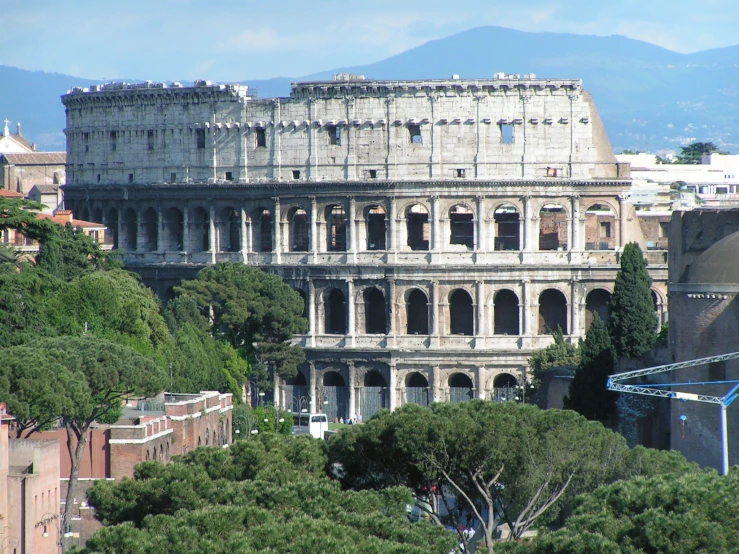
(62, 217)
(37, 158)
(5, 193)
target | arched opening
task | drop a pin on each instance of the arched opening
(200, 231)
(148, 456)
(263, 240)
(150, 230)
(336, 228)
(552, 227)
(659, 308)
(335, 312)
(376, 230)
(600, 228)
(85, 214)
(417, 225)
(207, 437)
(597, 301)
(505, 313)
(296, 393)
(461, 313)
(505, 388)
(200, 442)
(154, 454)
(97, 215)
(229, 230)
(373, 396)
(552, 312)
(130, 230)
(417, 313)
(507, 228)
(334, 396)
(299, 241)
(460, 387)
(461, 226)
(374, 312)
(167, 451)
(161, 452)
(168, 295)
(416, 389)
(173, 230)
(111, 222)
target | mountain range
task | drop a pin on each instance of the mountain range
(649, 98)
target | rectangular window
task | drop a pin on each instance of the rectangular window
(261, 138)
(113, 141)
(334, 135)
(172, 177)
(506, 133)
(130, 177)
(150, 140)
(373, 174)
(551, 171)
(414, 134)
(296, 174)
(200, 138)
(87, 139)
(605, 230)
(98, 177)
(664, 229)
(722, 190)
(229, 176)
(459, 173)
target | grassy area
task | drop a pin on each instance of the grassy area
(332, 426)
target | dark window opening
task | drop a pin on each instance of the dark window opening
(296, 174)
(200, 138)
(417, 224)
(229, 231)
(506, 133)
(462, 228)
(505, 313)
(299, 231)
(229, 176)
(200, 238)
(173, 230)
(414, 134)
(374, 312)
(552, 228)
(460, 388)
(111, 223)
(461, 313)
(130, 177)
(459, 173)
(99, 177)
(334, 135)
(376, 228)
(505, 388)
(172, 177)
(130, 230)
(335, 307)
(265, 231)
(507, 228)
(150, 140)
(151, 230)
(417, 312)
(261, 137)
(552, 312)
(597, 301)
(113, 141)
(336, 218)
(373, 174)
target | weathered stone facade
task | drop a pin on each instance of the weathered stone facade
(438, 230)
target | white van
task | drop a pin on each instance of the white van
(317, 425)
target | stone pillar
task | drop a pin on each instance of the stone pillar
(351, 227)
(249, 237)
(523, 308)
(139, 233)
(212, 244)
(575, 202)
(313, 407)
(392, 313)
(527, 224)
(480, 231)
(276, 396)
(314, 228)
(351, 311)
(119, 230)
(160, 230)
(574, 308)
(392, 231)
(434, 323)
(185, 229)
(437, 391)
(352, 390)
(623, 213)
(243, 236)
(480, 314)
(393, 386)
(312, 312)
(277, 258)
(482, 376)
(435, 224)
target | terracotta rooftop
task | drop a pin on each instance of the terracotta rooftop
(36, 158)
(62, 217)
(5, 193)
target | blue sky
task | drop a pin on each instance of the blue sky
(230, 40)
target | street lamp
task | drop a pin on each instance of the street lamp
(278, 419)
(245, 420)
(8, 541)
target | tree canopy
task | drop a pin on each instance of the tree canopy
(559, 354)
(632, 322)
(691, 154)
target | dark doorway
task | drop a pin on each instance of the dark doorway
(461, 226)
(461, 313)
(505, 313)
(505, 388)
(373, 395)
(417, 225)
(507, 228)
(552, 312)
(376, 228)
(374, 312)
(416, 389)
(296, 393)
(417, 313)
(335, 308)
(334, 396)
(460, 388)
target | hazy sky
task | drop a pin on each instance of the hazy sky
(230, 40)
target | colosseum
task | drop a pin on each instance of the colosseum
(437, 230)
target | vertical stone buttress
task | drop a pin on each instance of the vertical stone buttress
(393, 386)
(314, 228)
(276, 220)
(351, 312)
(312, 312)
(352, 390)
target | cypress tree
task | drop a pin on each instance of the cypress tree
(632, 323)
(587, 394)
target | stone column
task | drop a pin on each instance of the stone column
(480, 319)
(314, 228)
(392, 312)
(482, 376)
(435, 224)
(313, 407)
(119, 230)
(185, 229)
(312, 312)
(351, 227)
(139, 234)
(393, 386)
(437, 391)
(480, 232)
(160, 230)
(434, 323)
(243, 237)
(574, 308)
(623, 213)
(212, 244)
(527, 224)
(277, 258)
(392, 231)
(575, 202)
(249, 237)
(352, 390)
(523, 308)
(351, 311)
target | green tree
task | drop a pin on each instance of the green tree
(691, 154)
(694, 512)
(256, 312)
(587, 394)
(559, 354)
(68, 253)
(92, 377)
(632, 322)
(20, 214)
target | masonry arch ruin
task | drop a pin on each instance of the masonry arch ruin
(552, 311)
(373, 396)
(228, 226)
(552, 227)
(597, 301)
(150, 230)
(336, 223)
(416, 389)
(505, 388)
(376, 227)
(460, 387)
(506, 313)
(375, 311)
(461, 313)
(174, 231)
(462, 226)
(417, 312)
(507, 227)
(130, 230)
(335, 395)
(334, 306)
(299, 229)
(417, 227)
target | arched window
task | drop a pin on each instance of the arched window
(150, 230)
(552, 227)
(161, 452)
(130, 230)
(334, 396)
(552, 312)
(505, 388)
(597, 301)
(199, 442)
(229, 230)
(505, 313)
(374, 312)
(264, 228)
(373, 395)
(416, 389)
(417, 225)
(507, 228)
(336, 228)
(111, 222)
(299, 241)
(85, 214)
(461, 316)
(154, 454)
(376, 230)
(461, 226)
(97, 215)
(417, 313)
(200, 234)
(460, 387)
(600, 228)
(207, 436)
(173, 230)
(148, 456)
(296, 393)
(335, 312)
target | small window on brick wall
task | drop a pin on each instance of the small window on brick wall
(200, 138)
(150, 140)
(130, 177)
(334, 135)
(261, 138)
(414, 134)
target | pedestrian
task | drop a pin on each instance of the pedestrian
(341, 420)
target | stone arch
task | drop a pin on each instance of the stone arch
(460, 387)
(506, 313)
(601, 222)
(373, 395)
(660, 306)
(462, 226)
(298, 226)
(335, 395)
(417, 227)
(167, 450)
(461, 313)
(150, 230)
(200, 230)
(130, 229)
(207, 436)
(417, 312)
(173, 230)
(296, 393)
(263, 230)
(111, 222)
(416, 389)
(215, 438)
(552, 227)
(597, 301)
(375, 311)
(552, 311)
(154, 454)
(376, 222)
(148, 456)
(334, 307)
(161, 452)
(505, 388)
(85, 214)
(507, 227)
(336, 224)
(228, 225)
(200, 442)
(97, 215)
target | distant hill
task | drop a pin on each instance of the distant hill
(650, 98)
